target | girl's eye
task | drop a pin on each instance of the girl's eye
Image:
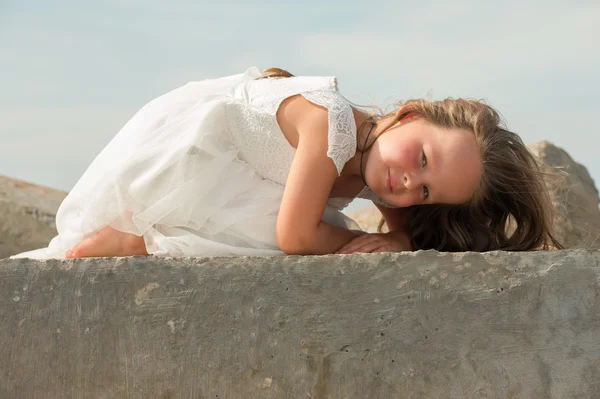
(423, 160)
(425, 192)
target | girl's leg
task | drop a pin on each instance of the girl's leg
(109, 242)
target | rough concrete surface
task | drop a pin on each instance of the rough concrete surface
(408, 325)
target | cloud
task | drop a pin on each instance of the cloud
(34, 130)
(52, 145)
(455, 47)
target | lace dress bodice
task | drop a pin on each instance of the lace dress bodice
(252, 126)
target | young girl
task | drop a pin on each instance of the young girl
(262, 164)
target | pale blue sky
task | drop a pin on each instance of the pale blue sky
(73, 72)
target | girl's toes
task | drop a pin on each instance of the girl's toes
(69, 254)
(84, 248)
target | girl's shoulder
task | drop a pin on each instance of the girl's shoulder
(299, 83)
(322, 112)
(269, 93)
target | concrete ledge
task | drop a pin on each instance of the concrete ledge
(410, 325)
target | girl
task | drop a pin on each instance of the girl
(262, 164)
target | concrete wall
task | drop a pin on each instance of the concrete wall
(410, 325)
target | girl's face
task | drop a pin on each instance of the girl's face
(416, 162)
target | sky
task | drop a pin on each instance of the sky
(73, 72)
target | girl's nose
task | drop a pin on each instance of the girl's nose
(411, 180)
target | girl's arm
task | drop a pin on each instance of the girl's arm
(311, 177)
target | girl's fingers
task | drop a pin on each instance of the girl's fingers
(352, 245)
(366, 245)
(383, 248)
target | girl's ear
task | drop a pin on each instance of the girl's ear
(404, 113)
(403, 108)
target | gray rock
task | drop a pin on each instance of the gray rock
(367, 218)
(27, 215)
(408, 325)
(576, 201)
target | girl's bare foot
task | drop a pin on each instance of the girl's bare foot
(109, 242)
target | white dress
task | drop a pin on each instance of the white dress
(200, 171)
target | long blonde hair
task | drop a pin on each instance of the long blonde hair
(511, 208)
(275, 73)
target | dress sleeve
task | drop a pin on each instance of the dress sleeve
(341, 134)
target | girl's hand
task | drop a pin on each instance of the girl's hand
(395, 241)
